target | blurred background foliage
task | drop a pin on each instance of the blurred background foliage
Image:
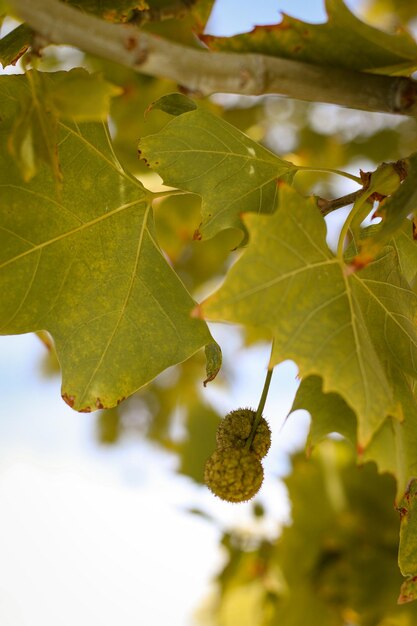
(336, 565)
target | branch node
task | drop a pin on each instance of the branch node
(404, 95)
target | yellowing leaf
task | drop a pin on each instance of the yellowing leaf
(85, 266)
(343, 41)
(201, 153)
(75, 95)
(342, 328)
(32, 139)
(80, 96)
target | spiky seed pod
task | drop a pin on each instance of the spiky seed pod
(235, 429)
(233, 474)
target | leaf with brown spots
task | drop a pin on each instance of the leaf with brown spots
(84, 264)
(343, 41)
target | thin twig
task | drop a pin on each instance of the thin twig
(327, 206)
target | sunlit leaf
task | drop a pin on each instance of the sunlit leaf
(32, 135)
(342, 328)
(82, 97)
(85, 266)
(201, 153)
(75, 95)
(343, 41)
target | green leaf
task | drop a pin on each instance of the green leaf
(342, 328)
(111, 10)
(213, 361)
(108, 426)
(201, 425)
(401, 204)
(393, 447)
(406, 249)
(408, 591)
(201, 153)
(174, 104)
(32, 139)
(329, 412)
(85, 266)
(341, 547)
(15, 44)
(178, 20)
(75, 95)
(201, 11)
(407, 556)
(343, 41)
(82, 97)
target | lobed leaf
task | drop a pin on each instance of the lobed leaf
(84, 265)
(343, 41)
(201, 153)
(343, 328)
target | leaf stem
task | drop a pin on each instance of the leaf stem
(260, 408)
(325, 170)
(346, 226)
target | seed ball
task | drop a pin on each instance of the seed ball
(233, 474)
(234, 431)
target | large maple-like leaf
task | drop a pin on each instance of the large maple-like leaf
(343, 41)
(344, 328)
(201, 153)
(85, 265)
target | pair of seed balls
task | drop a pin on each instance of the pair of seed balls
(234, 471)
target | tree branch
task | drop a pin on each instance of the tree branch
(208, 72)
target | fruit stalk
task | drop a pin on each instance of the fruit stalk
(260, 407)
